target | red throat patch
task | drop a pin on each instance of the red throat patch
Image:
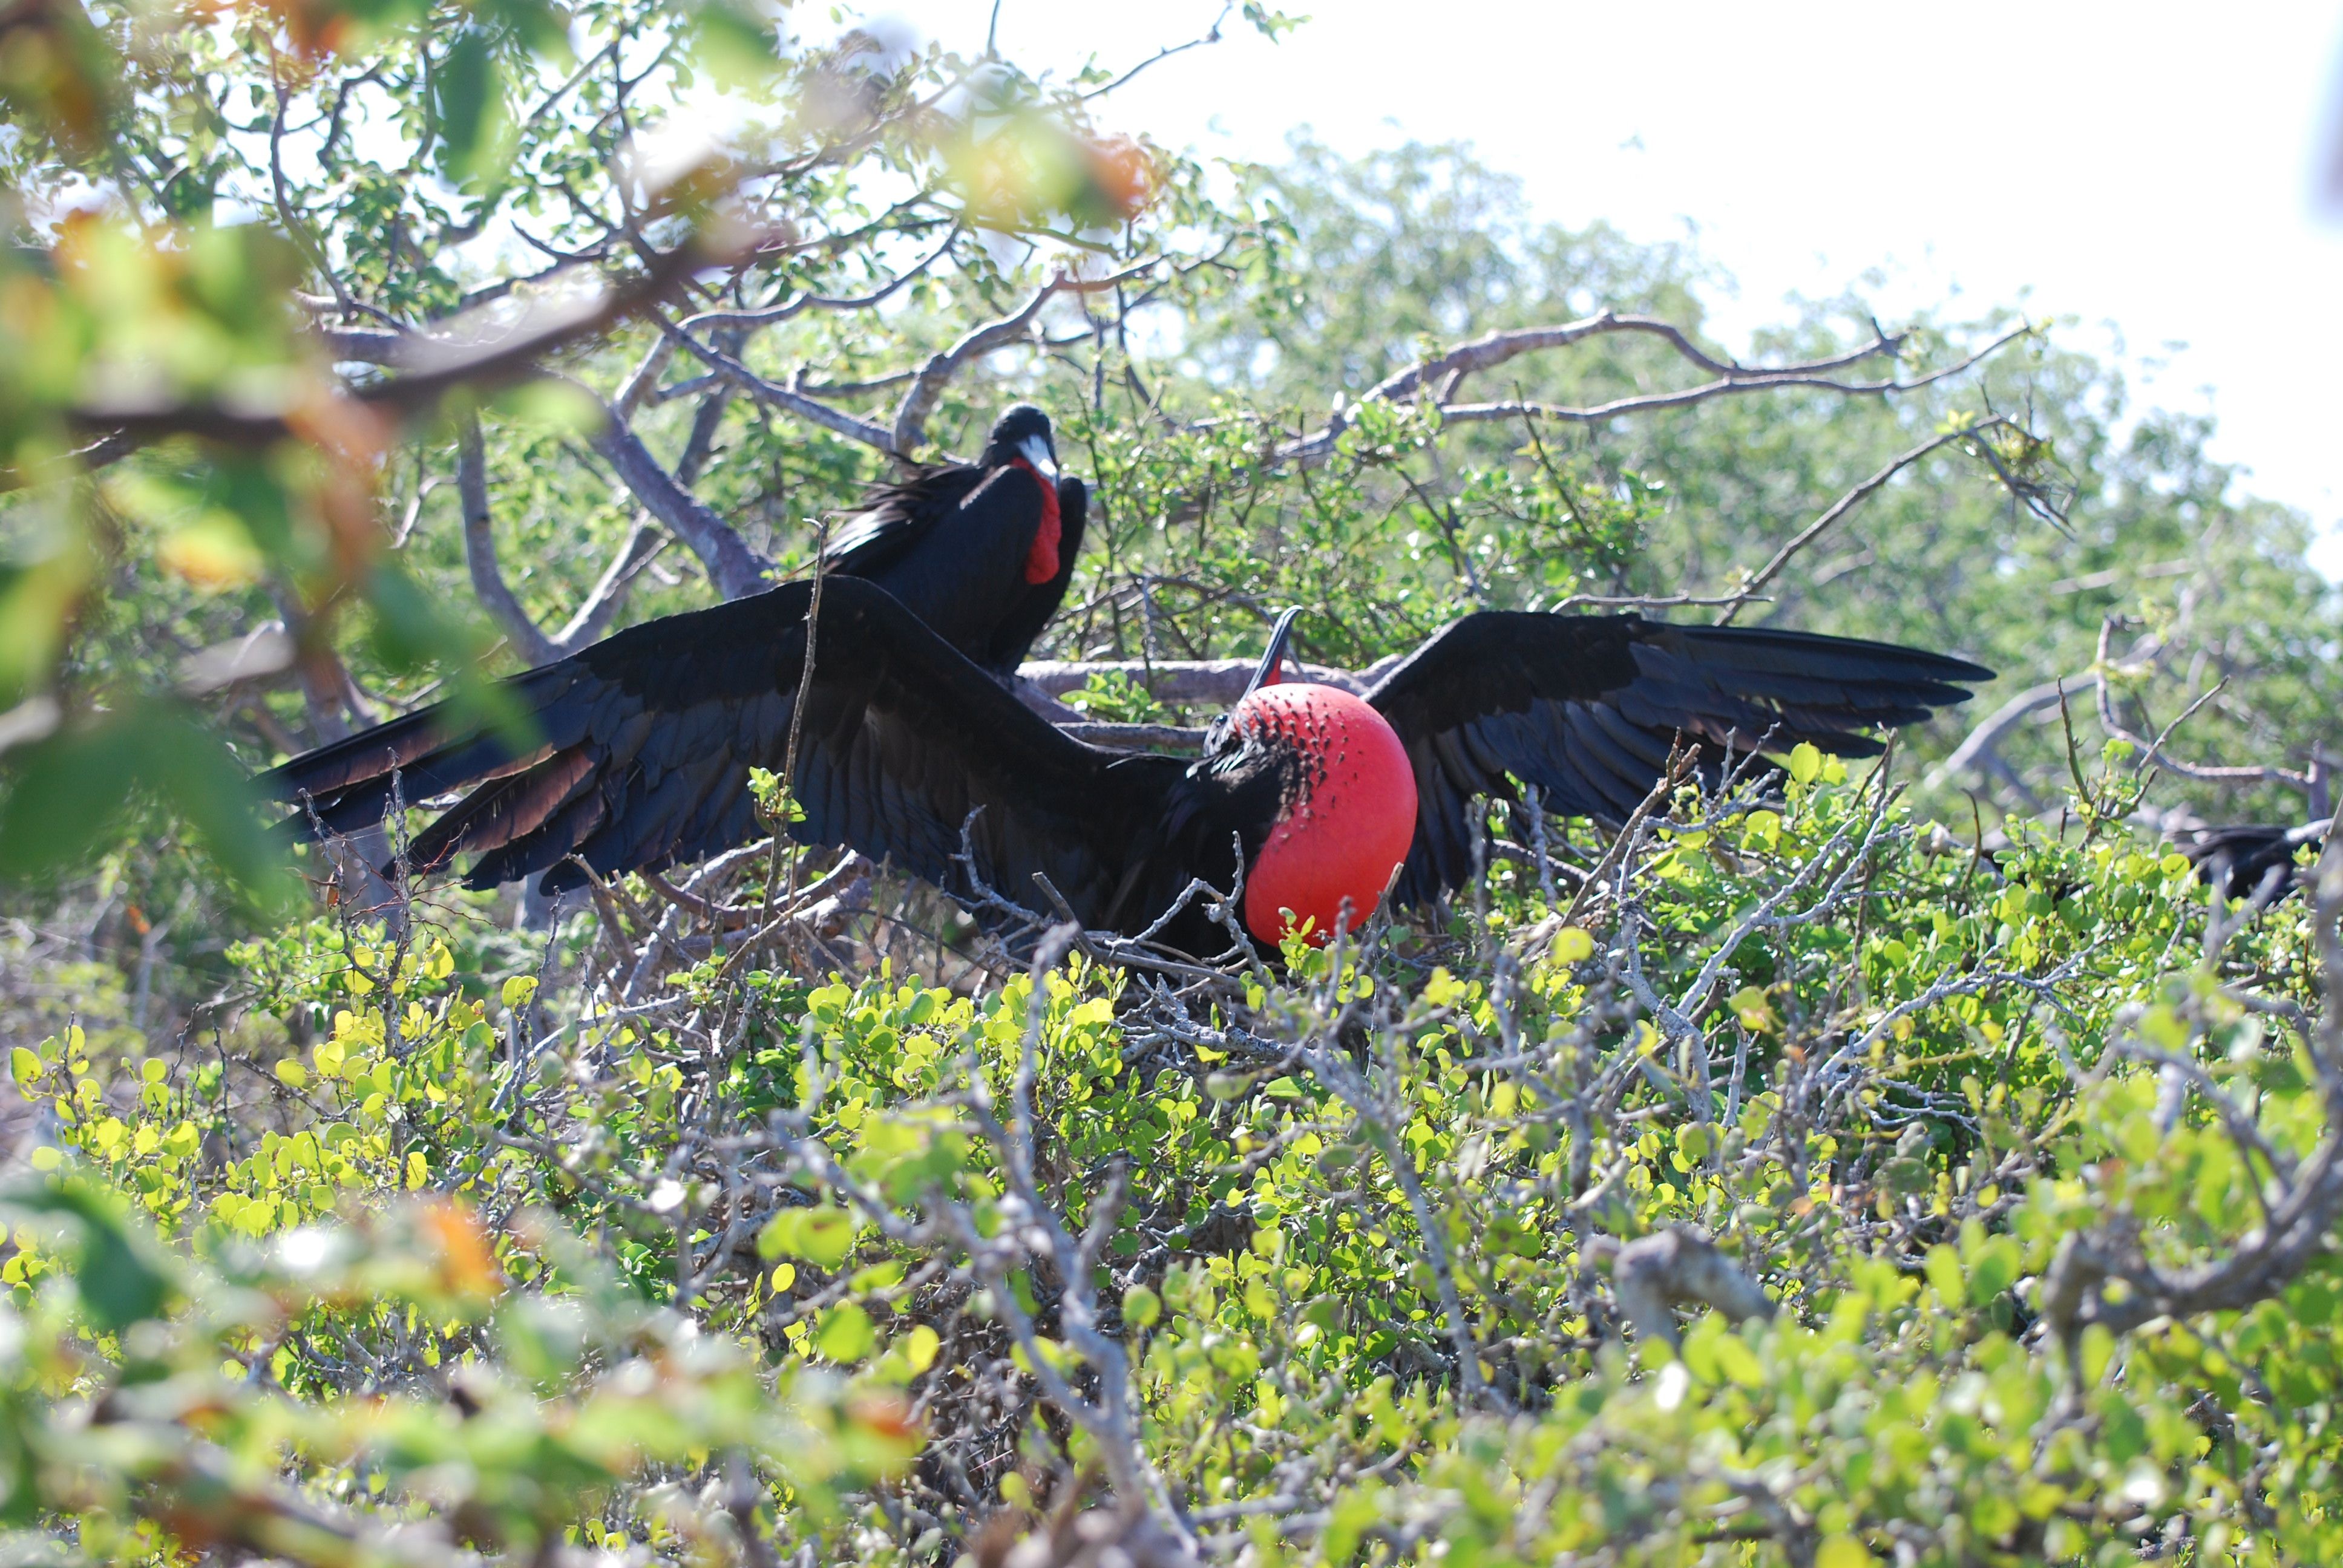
(1349, 825)
(1041, 560)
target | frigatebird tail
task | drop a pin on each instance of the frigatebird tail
(1587, 708)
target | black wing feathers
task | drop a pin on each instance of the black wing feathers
(1587, 708)
(951, 546)
(2245, 856)
(647, 740)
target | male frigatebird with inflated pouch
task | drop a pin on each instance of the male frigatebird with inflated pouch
(981, 551)
(1317, 799)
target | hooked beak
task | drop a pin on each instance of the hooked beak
(1036, 451)
(1266, 674)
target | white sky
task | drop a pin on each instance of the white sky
(2146, 168)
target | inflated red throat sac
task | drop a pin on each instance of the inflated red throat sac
(1041, 560)
(1350, 822)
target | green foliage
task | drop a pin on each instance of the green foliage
(1894, 1110)
(741, 1220)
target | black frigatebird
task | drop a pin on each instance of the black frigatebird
(646, 740)
(981, 551)
(2249, 860)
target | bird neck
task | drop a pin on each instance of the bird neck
(1042, 561)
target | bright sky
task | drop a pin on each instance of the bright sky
(2146, 168)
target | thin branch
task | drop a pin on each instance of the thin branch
(735, 569)
(434, 366)
(1445, 373)
(911, 414)
(488, 583)
(1846, 503)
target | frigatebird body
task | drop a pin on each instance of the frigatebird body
(1316, 798)
(2249, 860)
(981, 551)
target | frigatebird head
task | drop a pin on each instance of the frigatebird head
(1346, 799)
(1023, 432)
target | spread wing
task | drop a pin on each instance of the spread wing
(643, 745)
(951, 547)
(1587, 707)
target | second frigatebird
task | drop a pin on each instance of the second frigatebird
(2249, 860)
(1317, 799)
(981, 551)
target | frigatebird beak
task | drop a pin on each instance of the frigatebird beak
(1266, 673)
(1036, 451)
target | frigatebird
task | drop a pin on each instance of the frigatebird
(1319, 800)
(2249, 860)
(981, 551)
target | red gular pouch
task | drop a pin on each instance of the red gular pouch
(1349, 820)
(1041, 560)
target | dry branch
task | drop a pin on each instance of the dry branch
(1442, 374)
(2300, 1214)
(1654, 1274)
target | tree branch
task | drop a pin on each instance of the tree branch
(488, 585)
(1652, 1273)
(434, 362)
(2299, 1222)
(735, 569)
(920, 401)
(1198, 680)
(1445, 372)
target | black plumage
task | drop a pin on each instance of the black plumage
(1586, 710)
(2249, 860)
(957, 543)
(644, 744)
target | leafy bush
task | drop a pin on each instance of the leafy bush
(1742, 1199)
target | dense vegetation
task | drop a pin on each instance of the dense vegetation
(1911, 1164)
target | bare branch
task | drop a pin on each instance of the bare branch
(488, 583)
(435, 365)
(1978, 435)
(1990, 732)
(1444, 373)
(788, 399)
(735, 569)
(911, 414)
(1210, 35)
(2298, 1222)
(1652, 1273)
(1198, 681)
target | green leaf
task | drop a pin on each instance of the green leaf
(846, 1333)
(24, 1064)
(69, 793)
(1805, 762)
(467, 98)
(822, 1236)
(121, 1277)
(1944, 1266)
